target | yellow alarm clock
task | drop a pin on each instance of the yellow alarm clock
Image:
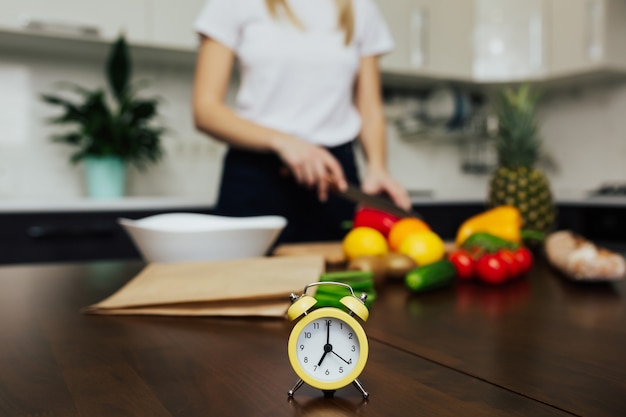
(328, 347)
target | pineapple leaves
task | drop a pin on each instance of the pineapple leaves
(119, 69)
(518, 142)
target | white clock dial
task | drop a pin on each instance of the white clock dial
(328, 349)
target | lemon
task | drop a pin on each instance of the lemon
(424, 247)
(364, 241)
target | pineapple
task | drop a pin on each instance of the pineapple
(516, 181)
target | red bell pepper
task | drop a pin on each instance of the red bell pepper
(374, 218)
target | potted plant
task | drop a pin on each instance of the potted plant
(110, 129)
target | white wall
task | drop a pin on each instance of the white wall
(32, 166)
(584, 131)
(584, 134)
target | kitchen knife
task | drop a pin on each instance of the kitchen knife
(355, 194)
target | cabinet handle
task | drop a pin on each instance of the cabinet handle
(535, 32)
(595, 12)
(61, 28)
(418, 37)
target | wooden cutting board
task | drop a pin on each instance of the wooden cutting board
(332, 252)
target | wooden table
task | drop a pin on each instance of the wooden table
(539, 347)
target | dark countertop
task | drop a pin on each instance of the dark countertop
(149, 203)
(541, 346)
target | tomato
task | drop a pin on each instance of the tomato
(512, 264)
(524, 258)
(463, 262)
(491, 269)
(376, 219)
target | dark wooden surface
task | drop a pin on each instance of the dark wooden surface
(540, 347)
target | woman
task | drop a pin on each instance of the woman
(309, 87)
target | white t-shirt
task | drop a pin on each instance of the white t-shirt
(298, 81)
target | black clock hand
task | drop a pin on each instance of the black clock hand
(327, 347)
(339, 357)
(327, 332)
(322, 358)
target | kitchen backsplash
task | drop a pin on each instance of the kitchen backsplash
(584, 131)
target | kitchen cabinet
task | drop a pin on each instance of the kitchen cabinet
(509, 39)
(89, 19)
(587, 35)
(472, 41)
(493, 41)
(171, 23)
(58, 236)
(433, 37)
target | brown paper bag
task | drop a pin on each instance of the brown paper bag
(242, 287)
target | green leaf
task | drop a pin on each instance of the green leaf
(142, 110)
(99, 129)
(119, 68)
(68, 138)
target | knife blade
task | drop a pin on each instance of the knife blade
(356, 195)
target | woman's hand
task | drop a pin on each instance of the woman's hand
(378, 181)
(311, 165)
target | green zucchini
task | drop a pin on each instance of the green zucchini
(360, 281)
(332, 300)
(487, 242)
(428, 277)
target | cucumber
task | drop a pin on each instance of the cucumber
(360, 281)
(351, 276)
(488, 242)
(428, 277)
(332, 300)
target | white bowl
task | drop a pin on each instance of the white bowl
(175, 237)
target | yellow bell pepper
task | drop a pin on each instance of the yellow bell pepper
(502, 221)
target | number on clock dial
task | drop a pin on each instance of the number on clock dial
(327, 349)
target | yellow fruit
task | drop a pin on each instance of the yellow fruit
(402, 228)
(364, 241)
(424, 247)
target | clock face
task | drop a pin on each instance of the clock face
(329, 349)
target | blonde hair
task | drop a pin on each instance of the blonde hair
(345, 19)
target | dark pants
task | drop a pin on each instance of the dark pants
(253, 184)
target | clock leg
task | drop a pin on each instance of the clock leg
(295, 387)
(358, 386)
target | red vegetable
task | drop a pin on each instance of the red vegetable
(491, 269)
(374, 218)
(524, 258)
(513, 266)
(463, 262)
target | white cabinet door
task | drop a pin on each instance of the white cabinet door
(172, 23)
(450, 28)
(509, 40)
(78, 18)
(587, 35)
(433, 37)
(397, 15)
